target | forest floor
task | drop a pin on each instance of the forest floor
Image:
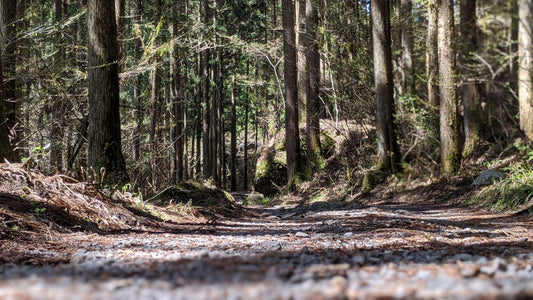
(373, 249)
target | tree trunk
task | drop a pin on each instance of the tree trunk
(8, 9)
(525, 66)
(178, 91)
(220, 125)
(233, 132)
(245, 143)
(105, 153)
(449, 113)
(56, 107)
(206, 126)
(388, 151)
(408, 78)
(137, 11)
(472, 109)
(301, 56)
(292, 138)
(120, 11)
(313, 78)
(432, 55)
(156, 99)
(6, 150)
(199, 117)
(513, 45)
(214, 128)
(22, 57)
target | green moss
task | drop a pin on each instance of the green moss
(327, 144)
(318, 198)
(281, 158)
(228, 196)
(280, 147)
(372, 178)
(263, 167)
(256, 199)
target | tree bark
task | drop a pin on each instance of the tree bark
(471, 107)
(22, 57)
(292, 138)
(513, 45)
(120, 11)
(245, 147)
(8, 9)
(6, 150)
(214, 124)
(525, 66)
(137, 12)
(388, 151)
(156, 97)
(313, 78)
(56, 108)
(206, 113)
(178, 91)
(105, 153)
(432, 65)
(301, 56)
(408, 78)
(450, 146)
(233, 132)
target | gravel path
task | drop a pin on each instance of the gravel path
(318, 251)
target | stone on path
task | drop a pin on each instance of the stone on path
(487, 177)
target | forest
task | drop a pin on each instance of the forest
(268, 123)
(172, 92)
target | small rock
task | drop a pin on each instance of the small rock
(78, 257)
(339, 282)
(301, 234)
(196, 265)
(358, 260)
(289, 215)
(482, 261)
(462, 257)
(326, 244)
(374, 260)
(272, 245)
(348, 235)
(468, 270)
(487, 177)
(498, 264)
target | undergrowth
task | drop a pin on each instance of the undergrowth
(515, 191)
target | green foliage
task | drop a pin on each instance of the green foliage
(513, 192)
(372, 178)
(40, 210)
(418, 131)
(37, 158)
(257, 199)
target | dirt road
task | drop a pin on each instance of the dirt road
(317, 251)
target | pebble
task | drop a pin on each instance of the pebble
(272, 245)
(301, 234)
(313, 266)
(462, 257)
(358, 260)
(349, 235)
(498, 264)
